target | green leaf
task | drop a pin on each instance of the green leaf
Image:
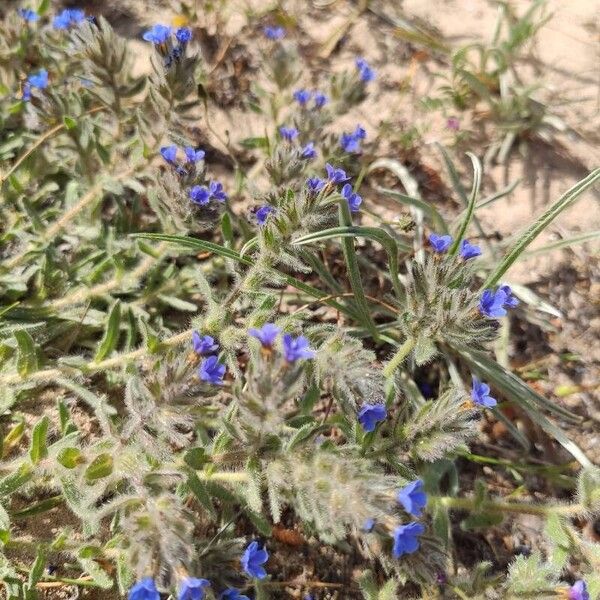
(27, 360)
(39, 448)
(111, 335)
(101, 466)
(14, 481)
(199, 489)
(376, 234)
(4, 525)
(470, 205)
(196, 458)
(43, 7)
(522, 395)
(70, 122)
(13, 437)
(227, 229)
(345, 219)
(70, 457)
(564, 202)
(37, 568)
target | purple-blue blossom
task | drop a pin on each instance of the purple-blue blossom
(29, 15)
(262, 213)
(68, 17)
(232, 594)
(296, 348)
(371, 414)
(266, 334)
(468, 250)
(365, 72)
(203, 344)
(200, 195)
(253, 559)
(211, 370)
(511, 300)
(183, 35)
(350, 142)
(144, 590)
(38, 80)
(273, 32)
(308, 151)
(158, 34)
(406, 539)
(336, 175)
(315, 184)
(413, 498)
(288, 133)
(192, 155)
(480, 394)
(493, 304)
(302, 97)
(440, 243)
(353, 199)
(320, 99)
(579, 591)
(192, 588)
(169, 153)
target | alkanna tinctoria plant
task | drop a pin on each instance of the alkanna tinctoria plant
(178, 450)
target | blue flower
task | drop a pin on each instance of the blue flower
(335, 175)
(370, 415)
(192, 155)
(29, 15)
(203, 344)
(350, 142)
(492, 303)
(365, 72)
(183, 35)
(440, 243)
(406, 539)
(232, 594)
(37, 80)
(353, 199)
(413, 498)
(253, 559)
(308, 151)
(302, 97)
(288, 133)
(169, 153)
(68, 17)
(320, 99)
(158, 34)
(216, 191)
(468, 250)
(211, 370)
(480, 394)
(579, 591)
(144, 590)
(200, 195)
(274, 33)
(266, 334)
(262, 213)
(296, 348)
(511, 300)
(368, 525)
(192, 588)
(315, 184)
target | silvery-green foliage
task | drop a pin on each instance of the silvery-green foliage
(164, 473)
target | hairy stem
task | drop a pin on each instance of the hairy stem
(397, 359)
(514, 507)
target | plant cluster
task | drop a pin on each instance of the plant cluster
(208, 370)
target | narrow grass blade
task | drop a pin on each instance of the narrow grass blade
(470, 204)
(559, 244)
(564, 202)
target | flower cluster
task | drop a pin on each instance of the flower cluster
(274, 32)
(365, 72)
(69, 17)
(193, 588)
(38, 80)
(350, 142)
(210, 369)
(493, 304)
(170, 42)
(303, 97)
(294, 348)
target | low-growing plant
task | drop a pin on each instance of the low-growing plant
(202, 371)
